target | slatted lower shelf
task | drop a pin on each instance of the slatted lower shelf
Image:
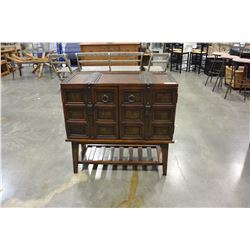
(121, 155)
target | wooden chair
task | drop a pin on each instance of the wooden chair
(158, 62)
(93, 61)
(126, 61)
(61, 65)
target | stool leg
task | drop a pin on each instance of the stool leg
(210, 72)
(219, 76)
(245, 93)
(164, 158)
(75, 153)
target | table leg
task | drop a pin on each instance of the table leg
(40, 70)
(75, 153)
(164, 149)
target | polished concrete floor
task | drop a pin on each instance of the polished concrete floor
(208, 165)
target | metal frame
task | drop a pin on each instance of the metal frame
(60, 59)
(152, 60)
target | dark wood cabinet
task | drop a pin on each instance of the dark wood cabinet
(129, 109)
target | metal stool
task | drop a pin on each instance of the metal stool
(213, 72)
(226, 59)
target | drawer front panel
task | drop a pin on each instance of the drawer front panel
(162, 114)
(79, 130)
(106, 130)
(132, 114)
(75, 96)
(162, 131)
(132, 131)
(106, 114)
(75, 113)
(132, 97)
(104, 96)
(163, 96)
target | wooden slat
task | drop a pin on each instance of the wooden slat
(139, 153)
(120, 162)
(149, 152)
(130, 154)
(85, 150)
(112, 153)
(121, 150)
(158, 150)
(92, 153)
(104, 150)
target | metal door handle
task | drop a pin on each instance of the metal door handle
(105, 98)
(131, 98)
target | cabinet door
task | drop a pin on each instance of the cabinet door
(105, 101)
(74, 105)
(131, 111)
(163, 101)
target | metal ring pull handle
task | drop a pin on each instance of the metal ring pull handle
(105, 98)
(131, 98)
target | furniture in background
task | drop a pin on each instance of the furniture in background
(6, 65)
(110, 47)
(214, 69)
(178, 57)
(240, 49)
(4, 68)
(158, 62)
(125, 61)
(70, 50)
(234, 77)
(245, 82)
(133, 111)
(60, 64)
(226, 62)
(93, 61)
(109, 61)
(198, 57)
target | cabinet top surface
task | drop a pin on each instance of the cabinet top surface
(119, 78)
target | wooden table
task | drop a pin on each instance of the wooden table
(132, 111)
(236, 61)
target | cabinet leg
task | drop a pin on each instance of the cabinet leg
(164, 158)
(75, 154)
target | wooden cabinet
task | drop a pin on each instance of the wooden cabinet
(119, 108)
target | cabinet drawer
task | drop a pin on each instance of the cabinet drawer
(77, 130)
(133, 96)
(105, 114)
(163, 96)
(75, 95)
(161, 131)
(132, 131)
(132, 114)
(75, 112)
(106, 130)
(163, 114)
(104, 96)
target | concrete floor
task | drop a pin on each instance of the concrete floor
(208, 165)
